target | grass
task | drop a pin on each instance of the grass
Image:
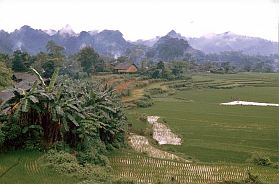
(19, 167)
(214, 133)
(144, 169)
(220, 138)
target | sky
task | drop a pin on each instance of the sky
(146, 19)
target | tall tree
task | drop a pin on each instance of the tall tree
(90, 60)
(54, 58)
(5, 75)
(20, 61)
(55, 50)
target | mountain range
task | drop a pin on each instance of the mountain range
(110, 43)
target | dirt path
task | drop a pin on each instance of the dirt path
(162, 133)
(141, 144)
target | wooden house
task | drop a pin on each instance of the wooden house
(125, 68)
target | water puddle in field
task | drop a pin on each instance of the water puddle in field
(249, 103)
(161, 133)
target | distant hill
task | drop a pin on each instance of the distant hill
(170, 48)
(228, 41)
(110, 43)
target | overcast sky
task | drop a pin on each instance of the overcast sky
(145, 19)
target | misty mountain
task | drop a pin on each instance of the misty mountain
(108, 42)
(111, 43)
(148, 43)
(228, 41)
(28, 39)
(169, 48)
(5, 42)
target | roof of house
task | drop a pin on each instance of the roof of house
(25, 76)
(25, 83)
(123, 66)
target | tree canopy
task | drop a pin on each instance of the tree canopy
(90, 60)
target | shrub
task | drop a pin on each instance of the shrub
(62, 162)
(148, 132)
(260, 159)
(143, 117)
(155, 91)
(123, 181)
(2, 137)
(275, 165)
(144, 102)
(251, 179)
(126, 92)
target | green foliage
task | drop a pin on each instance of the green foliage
(169, 71)
(45, 63)
(144, 102)
(90, 60)
(233, 60)
(155, 91)
(260, 159)
(189, 111)
(5, 75)
(77, 113)
(94, 154)
(67, 163)
(178, 69)
(2, 137)
(55, 50)
(62, 162)
(251, 179)
(20, 61)
(123, 181)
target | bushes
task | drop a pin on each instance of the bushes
(66, 110)
(143, 117)
(155, 91)
(2, 137)
(66, 163)
(125, 92)
(5, 75)
(62, 162)
(251, 179)
(144, 102)
(93, 156)
(260, 159)
(123, 181)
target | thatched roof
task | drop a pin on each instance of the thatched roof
(20, 76)
(24, 81)
(123, 66)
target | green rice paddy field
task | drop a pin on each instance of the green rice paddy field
(219, 138)
(214, 133)
(24, 167)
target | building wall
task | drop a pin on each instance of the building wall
(132, 69)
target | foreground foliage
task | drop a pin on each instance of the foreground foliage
(72, 115)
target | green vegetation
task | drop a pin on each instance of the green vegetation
(151, 170)
(28, 167)
(90, 60)
(72, 127)
(80, 121)
(229, 137)
(6, 75)
(214, 133)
